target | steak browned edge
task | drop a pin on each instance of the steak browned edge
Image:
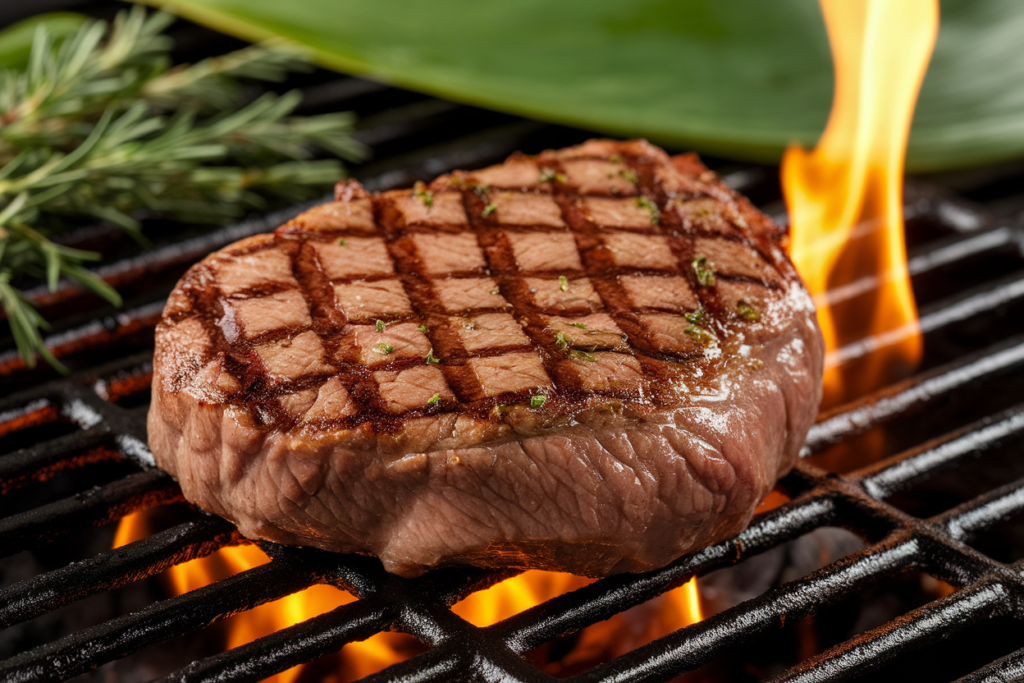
(591, 360)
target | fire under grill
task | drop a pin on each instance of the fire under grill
(923, 472)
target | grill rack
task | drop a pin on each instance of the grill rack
(897, 542)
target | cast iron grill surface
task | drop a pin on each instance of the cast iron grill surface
(866, 464)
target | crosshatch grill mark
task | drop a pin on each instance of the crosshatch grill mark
(484, 295)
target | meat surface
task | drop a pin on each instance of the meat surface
(592, 360)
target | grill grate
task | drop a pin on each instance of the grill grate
(972, 282)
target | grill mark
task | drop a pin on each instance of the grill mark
(332, 329)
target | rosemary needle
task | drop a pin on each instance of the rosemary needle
(101, 127)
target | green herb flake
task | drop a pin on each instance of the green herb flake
(383, 348)
(646, 203)
(420, 191)
(630, 175)
(488, 210)
(381, 326)
(563, 283)
(431, 359)
(481, 190)
(702, 335)
(695, 317)
(582, 326)
(577, 354)
(538, 401)
(342, 242)
(423, 329)
(615, 159)
(704, 271)
(433, 399)
(748, 312)
(563, 340)
(550, 175)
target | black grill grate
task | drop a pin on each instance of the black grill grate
(971, 279)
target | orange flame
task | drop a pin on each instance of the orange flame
(360, 658)
(671, 611)
(845, 198)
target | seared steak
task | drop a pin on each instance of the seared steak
(591, 360)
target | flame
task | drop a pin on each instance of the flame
(358, 659)
(529, 589)
(669, 612)
(845, 197)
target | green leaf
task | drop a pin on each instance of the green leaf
(16, 40)
(741, 78)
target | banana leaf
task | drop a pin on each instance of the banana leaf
(739, 78)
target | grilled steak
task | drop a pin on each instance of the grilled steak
(591, 360)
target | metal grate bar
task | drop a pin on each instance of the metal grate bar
(46, 459)
(86, 649)
(92, 335)
(902, 471)
(600, 600)
(696, 645)
(899, 401)
(967, 519)
(981, 302)
(936, 256)
(114, 569)
(931, 623)
(95, 507)
(291, 646)
(1008, 669)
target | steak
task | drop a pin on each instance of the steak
(591, 360)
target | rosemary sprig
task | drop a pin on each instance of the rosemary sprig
(102, 127)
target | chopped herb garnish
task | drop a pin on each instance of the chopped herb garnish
(383, 348)
(433, 399)
(582, 326)
(419, 190)
(613, 190)
(423, 329)
(380, 326)
(705, 273)
(748, 312)
(563, 341)
(538, 401)
(481, 190)
(563, 283)
(630, 175)
(548, 175)
(702, 335)
(615, 158)
(488, 210)
(646, 203)
(431, 359)
(695, 317)
(704, 270)
(577, 354)
(342, 242)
